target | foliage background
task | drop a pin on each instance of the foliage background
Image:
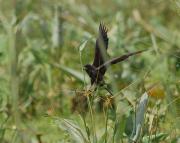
(42, 45)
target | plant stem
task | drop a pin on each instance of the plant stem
(86, 127)
(14, 83)
(106, 123)
(80, 56)
(92, 121)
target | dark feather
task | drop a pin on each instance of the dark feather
(101, 48)
(118, 59)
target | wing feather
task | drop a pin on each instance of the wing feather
(101, 48)
(119, 59)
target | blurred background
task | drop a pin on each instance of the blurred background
(45, 43)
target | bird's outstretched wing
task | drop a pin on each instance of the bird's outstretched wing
(119, 59)
(101, 48)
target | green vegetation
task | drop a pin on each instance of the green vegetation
(44, 96)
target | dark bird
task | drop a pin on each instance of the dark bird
(97, 70)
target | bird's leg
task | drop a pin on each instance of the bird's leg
(107, 89)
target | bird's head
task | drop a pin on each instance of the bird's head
(89, 69)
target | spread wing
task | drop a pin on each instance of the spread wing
(119, 59)
(101, 48)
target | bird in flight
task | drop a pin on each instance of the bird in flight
(97, 70)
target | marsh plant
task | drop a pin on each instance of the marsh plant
(46, 95)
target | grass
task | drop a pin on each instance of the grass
(43, 47)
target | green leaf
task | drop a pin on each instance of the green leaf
(78, 75)
(2, 133)
(82, 46)
(155, 138)
(103, 137)
(119, 128)
(73, 129)
(139, 120)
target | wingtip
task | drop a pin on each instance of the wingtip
(141, 51)
(102, 27)
(137, 52)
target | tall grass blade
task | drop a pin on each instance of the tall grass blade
(139, 119)
(73, 129)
